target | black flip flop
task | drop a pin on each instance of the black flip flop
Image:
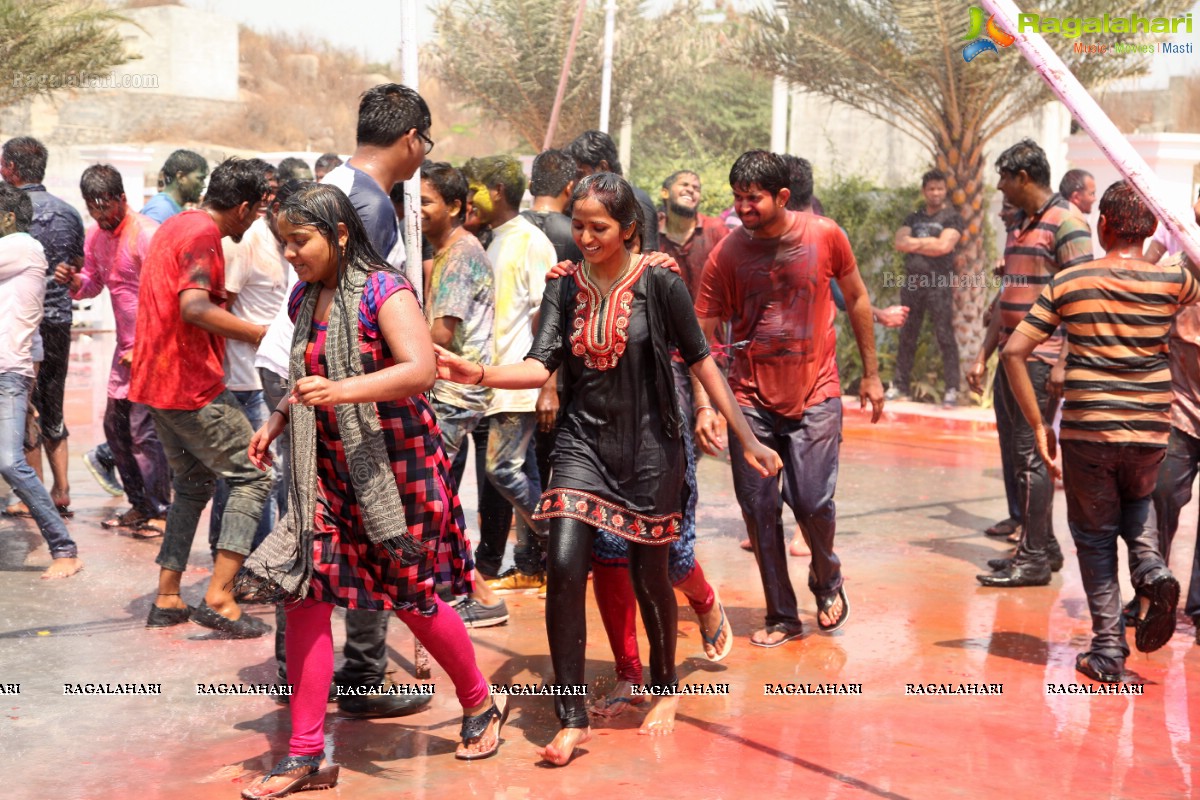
(788, 632)
(1158, 626)
(825, 603)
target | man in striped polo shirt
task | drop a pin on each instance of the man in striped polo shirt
(1051, 236)
(1116, 423)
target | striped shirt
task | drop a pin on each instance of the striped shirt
(1053, 239)
(1117, 314)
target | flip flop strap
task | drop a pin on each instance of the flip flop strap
(473, 727)
(290, 763)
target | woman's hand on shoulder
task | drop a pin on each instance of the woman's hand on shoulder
(562, 269)
(455, 368)
(657, 259)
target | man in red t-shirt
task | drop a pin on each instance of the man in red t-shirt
(771, 279)
(179, 347)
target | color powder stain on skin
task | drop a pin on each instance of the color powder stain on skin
(482, 199)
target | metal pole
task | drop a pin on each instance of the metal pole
(1092, 119)
(610, 18)
(779, 114)
(412, 188)
(562, 77)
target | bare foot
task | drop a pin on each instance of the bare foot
(559, 751)
(490, 738)
(169, 601)
(834, 613)
(660, 720)
(616, 702)
(798, 547)
(62, 568)
(17, 510)
(276, 783)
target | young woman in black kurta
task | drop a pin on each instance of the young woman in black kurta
(618, 462)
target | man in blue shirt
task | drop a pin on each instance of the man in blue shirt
(183, 177)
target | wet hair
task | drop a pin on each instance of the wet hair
(1073, 180)
(493, 171)
(286, 190)
(266, 167)
(236, 181)
(1025, 156)
(616, 195)
(1126, 215)
(760, 168)
(323, 206)
(592, 147)
(932, 176)
(327, 161)
(800, 182)
(449, 182)
(181, 161)
(552, 171)
(18, 203)
(388, 111)
(100, 182)
(635, 242)
(293, 169)
(28, 158)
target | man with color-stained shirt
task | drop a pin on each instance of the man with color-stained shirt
(772, 280)
(521, 255)
(1116, 420)
(178, 371)
(1050, 237)
(113, 255)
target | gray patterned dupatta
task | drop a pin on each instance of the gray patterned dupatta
(284, 559)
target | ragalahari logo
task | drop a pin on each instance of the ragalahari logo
(992, 35)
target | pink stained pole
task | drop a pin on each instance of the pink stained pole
(1097, 124)
(562, 78)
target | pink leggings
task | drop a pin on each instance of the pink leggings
(310, 664)
(618, 611)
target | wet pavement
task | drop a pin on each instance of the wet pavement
(914, 494)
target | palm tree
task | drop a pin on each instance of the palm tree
(901, 61)
(47, 45)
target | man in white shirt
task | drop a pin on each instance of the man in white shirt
(22, 289)
(521, 255)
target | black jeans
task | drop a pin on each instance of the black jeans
(568, 559)
(938, 301)
(1171, 494)
(1007, 466)
(809, 449)
(1108, 489)
(495, 513)
(1035, 489)
(50, 388)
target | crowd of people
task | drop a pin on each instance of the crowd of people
(272, 358)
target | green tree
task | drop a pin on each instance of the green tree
(46, 45)
(901, 62)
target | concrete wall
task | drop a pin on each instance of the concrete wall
(191, 53)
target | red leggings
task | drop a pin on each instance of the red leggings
(310, 664)
(618, 611)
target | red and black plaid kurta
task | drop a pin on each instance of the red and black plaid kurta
(348, 570)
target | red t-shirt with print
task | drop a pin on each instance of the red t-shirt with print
(177, 365)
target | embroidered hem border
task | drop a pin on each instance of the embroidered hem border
(607, 516)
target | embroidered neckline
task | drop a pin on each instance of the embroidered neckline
(600, 330)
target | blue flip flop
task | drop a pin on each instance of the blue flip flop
(723, 625)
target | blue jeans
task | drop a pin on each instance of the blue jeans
(275, 388)
(256, 411)
(14, 400)
(514, 474)
(495, 513)
(137, 455)
(809, 449)
(202, 446)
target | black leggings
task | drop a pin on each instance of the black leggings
(569, 555)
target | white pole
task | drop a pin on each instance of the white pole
(779, 114)
(1097, 124)
(412, 187)
(610, 18)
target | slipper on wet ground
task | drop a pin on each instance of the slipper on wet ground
(788, 632)
(150, 529)
(824, 604)
(723, 625)
(64, 511)
(1103, 671)
(1158, 626)
(17, 512)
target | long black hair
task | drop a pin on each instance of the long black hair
(616, 195)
